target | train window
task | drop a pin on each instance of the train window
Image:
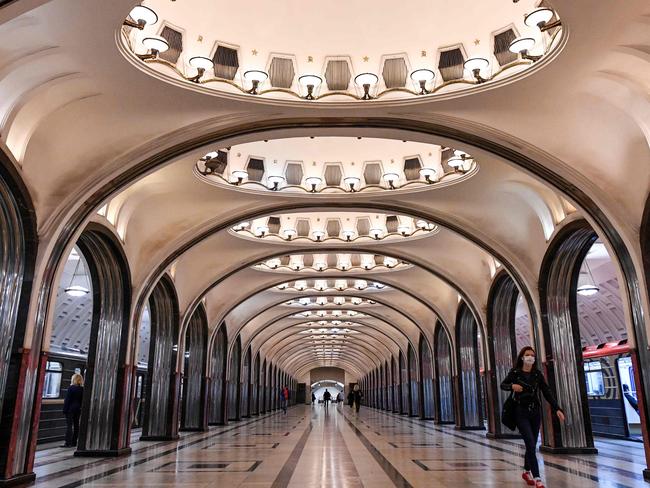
(594, 379)
(53, 375)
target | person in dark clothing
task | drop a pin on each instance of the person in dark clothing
(72, 409)
(351, 398)
(327, 396)
(284, 398)
(357, 395)
(630, 398)
(526, 382)
(313, 399)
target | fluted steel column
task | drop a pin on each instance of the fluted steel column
(501, 340)
(414, 386)
(468, 374)
(233, 381)
(218, 380)
(255, 391)
(159, 403)
(426, 380)
(245, 385)
(194, 372)
(445, 406)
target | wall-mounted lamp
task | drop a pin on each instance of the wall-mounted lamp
(391, 178)
(201, 63)
(240, 175)
(456, 162)
(352, 182)
(521, 46)
(367, 81)
(422, 77)
(313, 182)
(256, 77)
(155, 45)
(428, 174)
(311, 82)
(275, 180)
(474, 66)
(540, 18)
(141, 16)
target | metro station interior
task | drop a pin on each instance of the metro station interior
(204, 204)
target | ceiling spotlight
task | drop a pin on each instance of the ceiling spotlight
(289, 233)
(313, 182)
(141, 16)
(155, 45)
(404, 230)
(339, 300)
(475, 65)
(521, 46)
(356, 301)
(321, 300)
(320, 266)
(360, 284)
(318, 235)
(310, 82)
(275, 180)
(428, 173)
(366, 80)
(352, 182)
(256, 77)
(456, 162)
(391, 262)
(262, 230)
(376, 233)
(422, 77)
(201, 63)
(273, 263)
(348, 235)
(379, 285)
(540, 17)
(391, 178)
(239, 175)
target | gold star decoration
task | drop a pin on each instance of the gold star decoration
(254, 52)
(200, 39)
(366, 59)
(423, 53)
(477, 42)
(310, 59)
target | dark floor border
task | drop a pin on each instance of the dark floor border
(284, 476)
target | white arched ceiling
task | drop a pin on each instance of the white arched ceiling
(76, 114)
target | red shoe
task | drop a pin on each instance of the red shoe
(528, 478)
(539, 484)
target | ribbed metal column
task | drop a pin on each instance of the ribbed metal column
(159, 401)
(397, 397)
(233, 381)
(100, 425)
(404, 384)
(245, 384)
(263, 383)
(426, 379)
(413, 382)
(218, 368)
(255, 390)
(389, 386)
(194, 372)
(559, 280)
(501, 341)
(444, 376)
(468, 366)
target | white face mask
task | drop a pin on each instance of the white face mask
(529, 360)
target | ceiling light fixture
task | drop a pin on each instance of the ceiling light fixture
(352, 182)
(289, 233)
(404, 230)
(540, 18)
(522, 46)
(367, 81)
(428, 174)
(474, 66)
(262, 230)
(456, 162)
(310, 82)
(422, 77)
(240, 175)
(376, 233)
(275, 180)
(313, 182)
(76, 290)
(141, 16)
(348, 234)
(155, 45)
(318, 235)
(201, 63)
(589, 286)
(256, 77)
(391, 178)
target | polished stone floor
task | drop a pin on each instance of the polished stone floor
(309, 447)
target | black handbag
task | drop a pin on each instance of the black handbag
(509, 413)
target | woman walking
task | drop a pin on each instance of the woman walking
(357, 395)
(72, 409)
(526, 382)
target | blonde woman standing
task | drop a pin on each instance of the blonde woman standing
(72, 409)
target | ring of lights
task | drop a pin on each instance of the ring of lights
(296, 264)
(143, 43)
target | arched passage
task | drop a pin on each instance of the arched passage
(104, 425)
(218, 377)
(469, 387)
(194, 378)
(444, 377)
(234, 374)
(162, 385)
(426, 381)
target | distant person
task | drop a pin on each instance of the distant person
(339, 397)
(72, 409)
(327, 396)
(630, 398)
(526, 382)
(357, 396)
(313, 398)
(351, 398)
(284, 398)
